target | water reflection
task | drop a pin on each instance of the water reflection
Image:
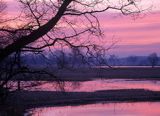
(110, 84)
(109, 109)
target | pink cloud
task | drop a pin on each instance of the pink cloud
(144, 30)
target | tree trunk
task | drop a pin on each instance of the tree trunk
(19, 85)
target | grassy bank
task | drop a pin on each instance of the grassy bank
(86, 74)
(31, 99)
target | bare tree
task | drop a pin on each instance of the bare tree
(45, 25)
(153, 59)
(61, 59)
(2, 6)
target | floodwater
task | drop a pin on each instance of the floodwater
(91, 86)
(108, 109)
(105, 109)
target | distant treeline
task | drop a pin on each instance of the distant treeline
(133, 61)
(61, 60)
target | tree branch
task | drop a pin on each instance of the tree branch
(36, 34)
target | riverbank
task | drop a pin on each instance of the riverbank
(87, 74)
(32, 99)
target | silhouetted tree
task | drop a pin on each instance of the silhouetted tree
(61, 59)
(2, 6)
(45, 25)
(153, 59)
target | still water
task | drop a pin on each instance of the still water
(107, 109)
(108, 84)
(101, 109)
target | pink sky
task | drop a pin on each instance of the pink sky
(135, 37)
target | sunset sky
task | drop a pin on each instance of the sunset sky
(135, 37)
(140, 36)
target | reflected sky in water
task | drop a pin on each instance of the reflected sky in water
(110, 84)
(108, 109)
